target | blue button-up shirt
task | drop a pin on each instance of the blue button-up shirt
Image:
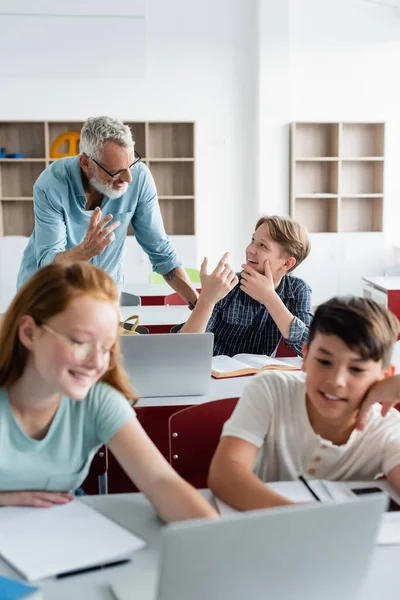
(243, 325)
(61, 221)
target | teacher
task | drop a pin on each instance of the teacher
(83, 206)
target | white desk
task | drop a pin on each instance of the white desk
(219, 388)
(135, 513)
(231, 387)
(157, 315)
(151, 293)
(159, 318)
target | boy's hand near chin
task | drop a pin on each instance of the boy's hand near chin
(386, 391)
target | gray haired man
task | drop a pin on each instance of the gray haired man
(83, 206)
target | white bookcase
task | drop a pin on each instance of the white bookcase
(336, 176)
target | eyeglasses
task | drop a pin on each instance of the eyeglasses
(114, 175)
(81, 350)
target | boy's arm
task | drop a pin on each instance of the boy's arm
(214, 287)
(394, 478)
(231, 477)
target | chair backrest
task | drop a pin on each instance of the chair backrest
(194, 276)
(284, 351)
(193, 438)
(174, 300)
(126, 299)
(96, 480)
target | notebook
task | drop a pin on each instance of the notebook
(296, 552)
(339, 491)
(42, 542)
(169, 364)
(246, 364)
(10, 589)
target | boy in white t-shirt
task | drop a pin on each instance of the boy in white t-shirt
(287, 423)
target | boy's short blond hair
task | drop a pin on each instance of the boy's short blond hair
(290, 235)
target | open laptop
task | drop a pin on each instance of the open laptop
(299, 552)
(168, 364)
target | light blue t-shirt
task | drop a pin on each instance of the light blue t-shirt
(60, 461)
(61, 221)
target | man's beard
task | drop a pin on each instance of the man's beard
(107, 189)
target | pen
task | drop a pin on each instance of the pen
(95, 568)
(304, 480)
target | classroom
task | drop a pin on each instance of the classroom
(199, 300)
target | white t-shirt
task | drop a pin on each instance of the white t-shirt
(272, 415)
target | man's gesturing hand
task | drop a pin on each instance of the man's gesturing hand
(98, 236)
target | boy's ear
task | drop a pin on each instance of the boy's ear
(305, 351)
(289, 263)
(389, 371)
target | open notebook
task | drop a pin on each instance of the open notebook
(246, 364)
(338, 491)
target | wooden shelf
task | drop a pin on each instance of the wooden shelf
(337, 176)
(18, 198)
(21, 160)
(317, 195)
(317, 159)
(363, 158)
(170, 144)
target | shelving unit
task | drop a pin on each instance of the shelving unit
(166, 148)
(336, 176)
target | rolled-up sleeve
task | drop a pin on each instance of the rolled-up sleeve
(302, 312)
(149, 229)
(50, 229)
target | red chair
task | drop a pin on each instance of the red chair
(154, 420)
(174, 300)
(193, 438)
(284, 351)
(96, 480)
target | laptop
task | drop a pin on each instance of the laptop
(299, 552)
(168, 364)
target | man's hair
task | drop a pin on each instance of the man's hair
(290, 235)
(98, 130)
(364, 326)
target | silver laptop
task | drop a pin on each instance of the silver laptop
(303, 552)
(170, 364)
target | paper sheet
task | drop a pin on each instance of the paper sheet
(41, 542)
(333, 491)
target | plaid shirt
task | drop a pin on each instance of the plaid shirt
(243, 325)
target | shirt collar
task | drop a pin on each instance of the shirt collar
(76, 176)
(285, 288)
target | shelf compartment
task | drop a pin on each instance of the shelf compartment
(178, 216)
(362, 178)
(56, 129)
(18, 178)
(318, 215)
(27, 138)
(362, 140)
(316, 140)
(171, 140)
(361, 214)
(316, 178)
(139, 136)
(173, 178)
(18, 217)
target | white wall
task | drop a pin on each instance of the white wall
(243, 69)
(330, 60)
(201, 65)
